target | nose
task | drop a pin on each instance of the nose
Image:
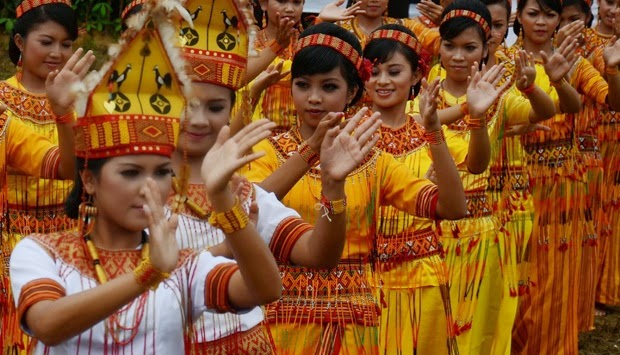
(314, 97)
(383, 78)
(198, 117)
(458, 55)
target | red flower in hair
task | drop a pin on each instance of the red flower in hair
(365, 70)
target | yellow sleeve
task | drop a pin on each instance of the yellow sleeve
(517, 109)
(260, 169)
(589, 82)
(30, 152)
(402, 189)
(428, 37)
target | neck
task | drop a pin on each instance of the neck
(602, 29)
(536, 48)
(306, 131)
(394, 116)
(193, 162)
(31, 83)
(369, 24)
(270, 31)
(492, 60)
(107, 235)
(455, 88)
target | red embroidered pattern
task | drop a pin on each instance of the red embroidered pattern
(406, 246)
(403, 140)
(36, 291)
(216, 287)
(286, 235)
(27, 106)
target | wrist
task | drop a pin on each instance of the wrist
(332, 189)
(148, 276)
(308, 154)
(232, 220)
(464, 108)
(276, 47)
(222, 201)
(435, 137)
(559, 83)
(613, 70)
(528, 90)
(60, 111)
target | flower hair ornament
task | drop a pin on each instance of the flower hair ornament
(469, 14)
(363, 66)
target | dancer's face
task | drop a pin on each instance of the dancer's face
(538, 24)
(289, 9)
(390, 83)
(461, 52)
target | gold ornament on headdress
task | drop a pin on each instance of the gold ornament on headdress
(216, 47)
(136, 105)
(28, 5)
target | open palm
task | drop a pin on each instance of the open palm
(482, 90)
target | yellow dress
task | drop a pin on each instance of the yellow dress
(549, 319)
(32, 154)
(335, 311)
(34, 205)
(276, 102)
(412, 286)
(480, 255)
(608, 276)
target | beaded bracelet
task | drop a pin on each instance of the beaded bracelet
(308, 154)
(333, 207)
(559, 83)
(276, 47)
(232, 220)
(66, 118)
(528, 90)
(148, 276)
(434, 137)
(476, 123)
(611, 71)
(464, 108)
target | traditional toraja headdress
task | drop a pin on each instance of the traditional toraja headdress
(216, 47)
(28, 5)
(132, 5)
(138, 97)
(469, 14)
(399, 36)
(319, 39)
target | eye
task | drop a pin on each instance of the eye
(46, 42)
(301, 84)
(216, 108)
(394, 72)
(471, 48)
(330, 87)
(164, 172)
(130, 173)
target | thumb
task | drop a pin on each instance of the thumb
(51, 77)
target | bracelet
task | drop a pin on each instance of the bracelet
(148, 276)
(611, 71)
(476, 123)
(558, 84)
(276, 47)
(232, 220)
(332, 207)
(66, 118)
(528, 90)
(464, 108)
(308, 154)
(434, 137)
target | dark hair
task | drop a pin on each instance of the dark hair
(382, 50)
(453, 27)
(62, 14)
(503, 3)
(313, 60)
(583, 7)
(72, 203)
(545, 5)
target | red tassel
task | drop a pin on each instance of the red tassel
(458, 249)
(383, 302)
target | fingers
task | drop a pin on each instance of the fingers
(252, 126)
(83, 65)
(365, 131)
(153, 208)
(369, 145)
(51, 77)
(355, 120)
(247, 159)
(544, 57)
(74, 59)
(260, 132)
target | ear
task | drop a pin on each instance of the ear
(19, 41)
(485, 50)
(416, 76)
(352, 94)
(88, 181)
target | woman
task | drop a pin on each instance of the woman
(478, 255)
(37, 104)
(110, 286)
(410, 277)
(335, 311)
(558, 187)
(288, 236)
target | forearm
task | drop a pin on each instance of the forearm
(542, 105)
(66, 145)
(570, 102)
(451, 201)
(322, 248)
(281, 181)
(53, 322)
(613, 97)
(479, 151)
(257, 64)
(450, 115)
(240, 119)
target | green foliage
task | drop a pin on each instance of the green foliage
(93, 15)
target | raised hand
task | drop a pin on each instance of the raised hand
(611, 53)
(525, 70)
(332, 12)
(330, 120)
(431, 10)
(572, 30)
(482, 90)
(266, 78)
(343, 149)
(562, 60)
(58, 83)
(163, 247)
(428, 105)
(285, 30)
(228, 154)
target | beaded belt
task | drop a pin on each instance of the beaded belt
(406, 246)
(551, 154)
(477, 204)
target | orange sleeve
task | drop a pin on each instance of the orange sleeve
(216, 287)
(36, 291)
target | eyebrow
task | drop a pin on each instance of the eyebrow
(138, 166)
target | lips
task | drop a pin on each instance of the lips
(315, 112)
(52, 65)
(195, 135)
(384, 92)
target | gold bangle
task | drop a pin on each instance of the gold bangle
(308, 154)
(559, 84)
(276, 47)
(434, 137)
(464, 108)
(611, 71)
(334, 206)
(148, 276)
(232, 220)
(66, 118)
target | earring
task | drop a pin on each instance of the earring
(264, 20)
(86, 216)
(19, 61)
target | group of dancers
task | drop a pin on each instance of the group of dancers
(363, 185)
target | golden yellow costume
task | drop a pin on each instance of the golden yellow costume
(548, 319)
(335, 311)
